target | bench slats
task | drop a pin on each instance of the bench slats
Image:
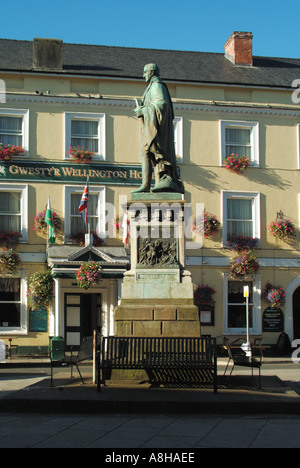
(158, 353)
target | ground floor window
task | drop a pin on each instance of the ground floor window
(12, 305)
(235, 306)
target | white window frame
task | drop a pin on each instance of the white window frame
(178, 138)
(255, 197)
(23, 329)
(298, 144)
(100, 118)
(72, 189)
(257, 326)
(254, 138)
(23, 190)
(24, 115)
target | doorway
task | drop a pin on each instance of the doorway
(296, 313)
(82, 317)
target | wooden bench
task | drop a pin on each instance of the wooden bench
(158, 354)
(59, 358)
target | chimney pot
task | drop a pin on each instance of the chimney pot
(238, 48)
(47, 54)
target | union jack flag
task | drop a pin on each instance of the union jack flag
(83, 207)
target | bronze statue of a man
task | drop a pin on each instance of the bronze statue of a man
(157, 136)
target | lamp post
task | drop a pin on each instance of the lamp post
(247, 346)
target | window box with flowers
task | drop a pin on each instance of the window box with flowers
(244, 265)
(80, 154)
(282, 229)
(79, 239)
(274, 295)
(204, 301)
(10, 261)
(41, 289)
(7, 152)
(239, 243)
(89, 275)
(209, 223)
(9, 238)
(236, 163)
(40, 226)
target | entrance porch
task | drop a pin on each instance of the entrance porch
(76, 312)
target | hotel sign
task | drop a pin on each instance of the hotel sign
(48, 172)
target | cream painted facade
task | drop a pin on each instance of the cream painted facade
(203, 112)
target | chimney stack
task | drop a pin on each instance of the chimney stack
(238, 48)
(47, 54)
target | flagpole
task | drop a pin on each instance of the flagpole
(87, 213)
(47, 245)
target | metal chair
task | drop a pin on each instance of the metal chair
(241, 360)
(58, 357)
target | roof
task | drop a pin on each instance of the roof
(178, 66)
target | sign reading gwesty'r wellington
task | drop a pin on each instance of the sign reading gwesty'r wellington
(103, 173)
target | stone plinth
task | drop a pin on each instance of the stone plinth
(157, 293)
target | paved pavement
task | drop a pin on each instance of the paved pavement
(165, 433)
(142, 418)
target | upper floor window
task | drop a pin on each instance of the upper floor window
(14, 209)
(240, 138)
(96, 210)
(87, 131)
(14, 127)
(241, 215)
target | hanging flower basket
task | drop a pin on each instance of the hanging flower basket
(40, 226)
(209, 223)
(275, 295)
(236, 163)
(244, 265)
(41, 287)
(282, 229)
(9, 261)
(80, 154)
(9, 238)
(239, 243)
(203, 296)
(79, 239)
(7, 152)
(89, 275)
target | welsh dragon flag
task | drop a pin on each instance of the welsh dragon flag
(49, 221)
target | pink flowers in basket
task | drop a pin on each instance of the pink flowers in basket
(245, 264)
(203, 296)
(10, 260)
(7, 152)
(41, 289)
(89, 275)
(275, 295)
(282, 229)
(236, 163)
(209, 223)
(80, 155)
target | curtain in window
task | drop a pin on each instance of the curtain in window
(77, 223)
(11, 131)
(10, 212)
(239, 218)
(84, 133)
(238, 141)
(10, 285)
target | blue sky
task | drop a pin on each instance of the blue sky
(178, 25)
